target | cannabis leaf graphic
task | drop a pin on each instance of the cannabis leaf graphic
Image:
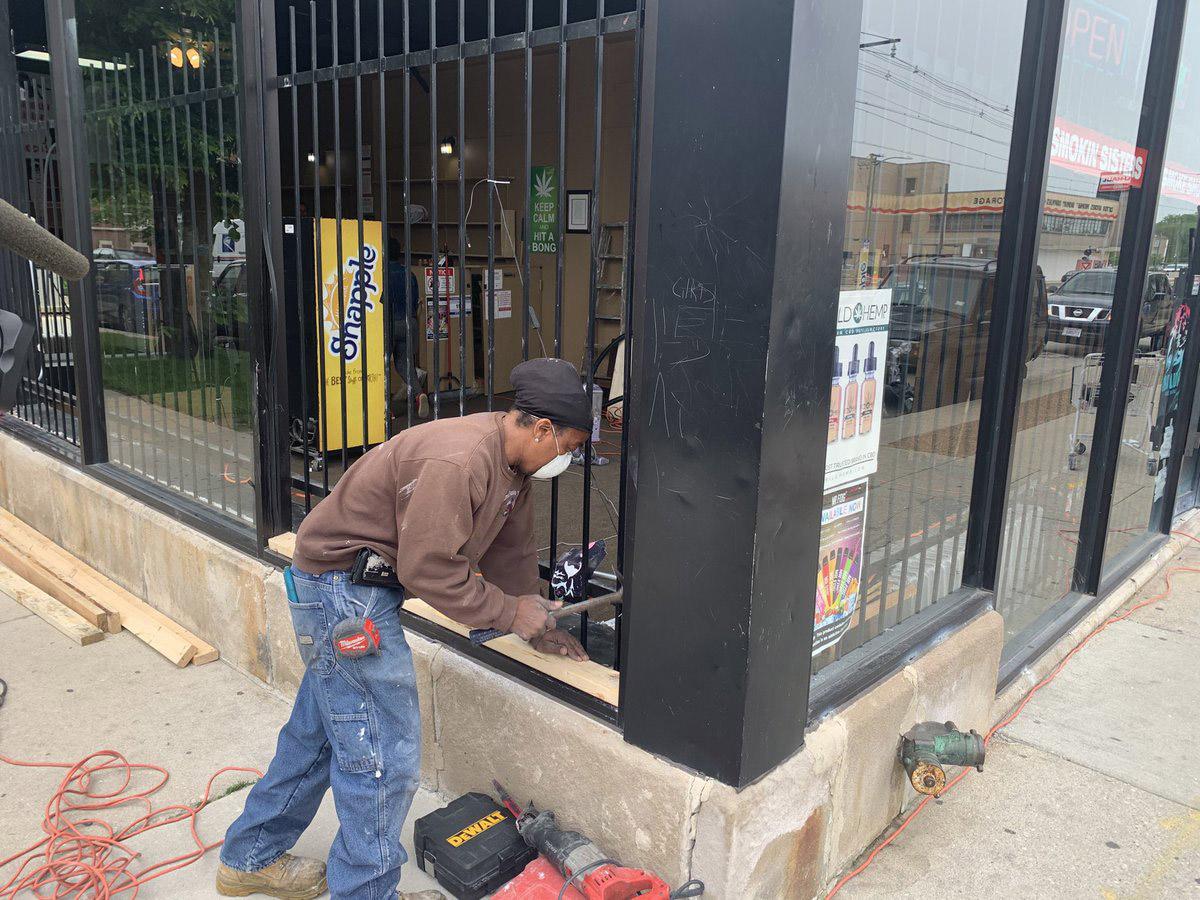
(543, 185)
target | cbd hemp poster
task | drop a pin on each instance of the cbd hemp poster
(350, 310)
(839, 578)
(856, 390)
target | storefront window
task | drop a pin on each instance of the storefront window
(162, 138)
(1150, 433)
(1092, 159)
(932, 128)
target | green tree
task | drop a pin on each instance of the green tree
(1174, 230)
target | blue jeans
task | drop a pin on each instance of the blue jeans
(355, 727)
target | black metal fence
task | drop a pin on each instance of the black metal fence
(29, 181)
(456, 195)
(163, 141)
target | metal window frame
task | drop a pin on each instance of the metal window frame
(1121, 337)
(1020, 230)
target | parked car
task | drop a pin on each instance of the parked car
(110, 253)
(229, 313)
(127, 292)
(940, 327)
(1081, 309)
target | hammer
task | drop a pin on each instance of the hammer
(481, 636)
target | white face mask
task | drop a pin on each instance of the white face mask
(555, 467)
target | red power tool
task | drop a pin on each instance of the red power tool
(571, 867)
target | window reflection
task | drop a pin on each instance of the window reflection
(1150, 430)
(1091, 167)
(162, 137)
(932, 127)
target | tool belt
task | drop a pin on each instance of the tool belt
(373, 570)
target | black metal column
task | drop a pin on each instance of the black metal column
(1025, 188)
(63, 38)
(746, 124)
(264, 267)
(1120, 340)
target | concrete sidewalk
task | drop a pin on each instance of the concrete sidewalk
(1092, 792)
(65, 702)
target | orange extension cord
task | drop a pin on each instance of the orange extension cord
(84, 856)
(1054, 673)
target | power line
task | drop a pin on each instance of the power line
(1003, 108)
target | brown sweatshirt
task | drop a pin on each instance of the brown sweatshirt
(440, 502)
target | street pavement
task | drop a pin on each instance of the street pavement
(1092, 792)
(65, 702)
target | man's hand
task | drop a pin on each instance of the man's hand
(533, 617)
(561, 643)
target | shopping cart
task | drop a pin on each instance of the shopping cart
(1141, 410)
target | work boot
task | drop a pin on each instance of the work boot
(420, 895)
(289, 877)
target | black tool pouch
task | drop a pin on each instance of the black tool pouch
(373, 570)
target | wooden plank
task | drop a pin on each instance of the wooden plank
(590, 677)
(284, 544)
(45, 607)
(151, 626)
(29, 569)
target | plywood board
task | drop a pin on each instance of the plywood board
(45, 607)
(590, 677)
(284, 544)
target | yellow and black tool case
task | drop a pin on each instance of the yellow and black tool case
(471, 846)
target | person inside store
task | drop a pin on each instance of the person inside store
(403, 297)
(444, 509)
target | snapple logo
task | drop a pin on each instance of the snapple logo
(361, 300)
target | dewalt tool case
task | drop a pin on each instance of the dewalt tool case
(471, 846)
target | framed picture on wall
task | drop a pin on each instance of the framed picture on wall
(579, 212)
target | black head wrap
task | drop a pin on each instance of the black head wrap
(551, 389)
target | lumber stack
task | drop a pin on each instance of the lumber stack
(80, 602)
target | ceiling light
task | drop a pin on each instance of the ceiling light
(447, 146)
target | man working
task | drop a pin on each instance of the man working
(438, 502)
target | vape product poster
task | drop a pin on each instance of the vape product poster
(839, 588)
(856, 391)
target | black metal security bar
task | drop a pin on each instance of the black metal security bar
(75, 217)
(414, 59)
(362, 94)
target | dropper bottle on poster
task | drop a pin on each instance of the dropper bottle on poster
(850, 397)
(835, 400)
(866, 411)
